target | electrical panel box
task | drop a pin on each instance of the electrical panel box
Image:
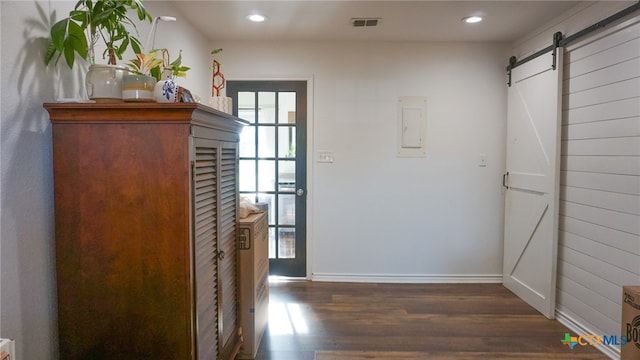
(412, 126)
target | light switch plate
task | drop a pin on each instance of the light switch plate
(482, 160)
(325, 156)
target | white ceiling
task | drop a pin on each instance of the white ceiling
(505, 21)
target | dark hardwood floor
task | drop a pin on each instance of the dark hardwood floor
(350, 321)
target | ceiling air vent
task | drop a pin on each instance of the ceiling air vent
(364, 22)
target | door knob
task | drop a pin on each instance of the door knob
(300, 192)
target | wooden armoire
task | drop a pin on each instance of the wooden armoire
(146, 203)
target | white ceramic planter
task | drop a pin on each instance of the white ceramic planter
(104, 82)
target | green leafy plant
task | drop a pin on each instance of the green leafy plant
(92, 20)
(145, 64)
(176, 67)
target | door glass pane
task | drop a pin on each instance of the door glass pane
(286, 209)
(247, 106)
(287, 141)
(267, 178)
(269, 199)
(272, 243)
(266, 141)
(267, 106)
(248, 142)
(247, 175)
(286, 107)
(287, 243)
(286, 175)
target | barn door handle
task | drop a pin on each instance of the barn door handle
(505, 177)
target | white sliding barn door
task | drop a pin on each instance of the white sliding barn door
(531, 199)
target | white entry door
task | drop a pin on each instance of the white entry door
(532, 178)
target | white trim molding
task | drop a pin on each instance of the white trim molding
(565, 319)
(410, 279)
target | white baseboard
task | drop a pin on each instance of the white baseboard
(409, 279)
(611, 351)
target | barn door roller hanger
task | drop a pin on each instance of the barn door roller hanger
(557, 40)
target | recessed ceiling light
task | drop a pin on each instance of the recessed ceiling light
(256, 18)
(472, 19)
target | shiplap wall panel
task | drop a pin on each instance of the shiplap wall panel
(608, 272)
(613, 219)
(605, 76)
(590, 297)
(599, 227)
(600, 164)
(625, 203)
(592, 281)
(604, 128)
(605, 235)
(619, 109)
(588, 314)
(609, 254)
(627, 89)
(605, 60)
(624, 184)
(607, 146)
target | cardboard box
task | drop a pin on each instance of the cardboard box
(631, 322)
(7, 349)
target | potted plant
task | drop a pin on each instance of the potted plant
(139, 84)
(166, 89)
(89, 22)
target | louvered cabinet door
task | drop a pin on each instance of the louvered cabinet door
(215, 247)
(205, 200)
(228, 245)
